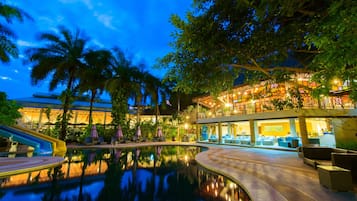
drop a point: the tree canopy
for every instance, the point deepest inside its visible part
(8, 47)
(62, 59)
(220, 40)
(8, 110)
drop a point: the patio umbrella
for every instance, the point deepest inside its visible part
(138, 132)
(158, 150)
(119, 132)
(159, 132)
(94, 132)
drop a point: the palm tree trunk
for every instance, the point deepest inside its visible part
(93, 95)
(64, 118)
(157, 113)
(68, 94)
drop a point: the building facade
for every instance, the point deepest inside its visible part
(278, 114)
(41, 111)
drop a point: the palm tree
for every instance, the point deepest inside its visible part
(61, 57)
(94, 76)
(8, 47)
(121, 85)
(155, 89)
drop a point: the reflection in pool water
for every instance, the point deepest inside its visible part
(146, 173)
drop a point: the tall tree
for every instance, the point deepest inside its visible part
(156, 90)
(8, 47)
(335, 37)
(219, 40)
(93, 77)
(120, 85)
(61, 58)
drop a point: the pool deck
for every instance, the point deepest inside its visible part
(266, 174)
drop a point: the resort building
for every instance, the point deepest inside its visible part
(278, 114)
(41, 110)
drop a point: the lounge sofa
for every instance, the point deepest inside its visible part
(291, 142)
(346, 160)
(213, 138)
(315, 156)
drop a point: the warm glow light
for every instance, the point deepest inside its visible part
(215, 193)
(207, 188)
(336, 81)
(231, 185)
(228, 104)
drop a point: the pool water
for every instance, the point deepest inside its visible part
(155, 173)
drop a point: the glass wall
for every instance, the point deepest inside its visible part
(283, 133)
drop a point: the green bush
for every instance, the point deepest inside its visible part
(347, 145)
(8, 110)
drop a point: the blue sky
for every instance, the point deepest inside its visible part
(140, 27)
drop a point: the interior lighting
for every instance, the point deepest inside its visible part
(336, 81)
(228, 104)
(216, 192)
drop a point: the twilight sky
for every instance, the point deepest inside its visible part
(140, 27)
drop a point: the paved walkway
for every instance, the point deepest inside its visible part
(267, 175)
(270, 175)
(11, 166)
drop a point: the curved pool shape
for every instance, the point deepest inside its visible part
(145, 173)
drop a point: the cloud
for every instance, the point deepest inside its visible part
(25, 43)
(5, 78)
(105, 19)
(87, 3)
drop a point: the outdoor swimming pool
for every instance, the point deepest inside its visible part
(157, 173)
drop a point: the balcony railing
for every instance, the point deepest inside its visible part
(267, 106)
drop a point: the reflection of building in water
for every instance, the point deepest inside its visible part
(90, 166)
(219, 187)
(95, 163)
